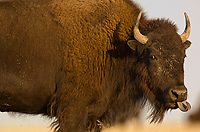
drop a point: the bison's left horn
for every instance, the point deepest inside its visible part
(138, 36)
(185, 35)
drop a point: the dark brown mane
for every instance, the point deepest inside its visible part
(148, 26)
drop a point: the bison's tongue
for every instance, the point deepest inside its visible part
(184, 106)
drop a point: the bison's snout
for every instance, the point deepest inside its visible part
(179, 93)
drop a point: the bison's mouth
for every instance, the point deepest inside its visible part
(183, 106)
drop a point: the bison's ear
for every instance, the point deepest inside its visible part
(133, 44)
(136, 46)
(187, 44)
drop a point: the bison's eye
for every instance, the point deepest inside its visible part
(153, 57)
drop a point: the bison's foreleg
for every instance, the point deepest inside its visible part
(70, 109)
(72, 118)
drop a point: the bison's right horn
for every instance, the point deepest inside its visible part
(185, 35)
(138, 36)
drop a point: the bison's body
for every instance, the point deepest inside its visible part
(70, 59)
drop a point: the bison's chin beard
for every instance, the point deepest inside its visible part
(158, 107)
(157, 112)
(161, 107)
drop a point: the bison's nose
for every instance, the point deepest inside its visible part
(179, 93)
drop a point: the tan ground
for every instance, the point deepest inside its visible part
(175, 127)
(158, 128)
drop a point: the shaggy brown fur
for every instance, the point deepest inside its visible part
(90, 73)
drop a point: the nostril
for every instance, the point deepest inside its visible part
(175, 93)
(180, 95)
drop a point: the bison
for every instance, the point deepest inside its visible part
(89, 63)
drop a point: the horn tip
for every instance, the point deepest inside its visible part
(185, 13)
(185, 35)
(187, 18)
(140, 14)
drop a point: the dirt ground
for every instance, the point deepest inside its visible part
(157, 128)
(175, 127)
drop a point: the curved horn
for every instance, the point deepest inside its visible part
(138, 36)
(185, 35)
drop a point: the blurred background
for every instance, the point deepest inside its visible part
(174, 120)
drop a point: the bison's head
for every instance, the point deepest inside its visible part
(161, 54)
